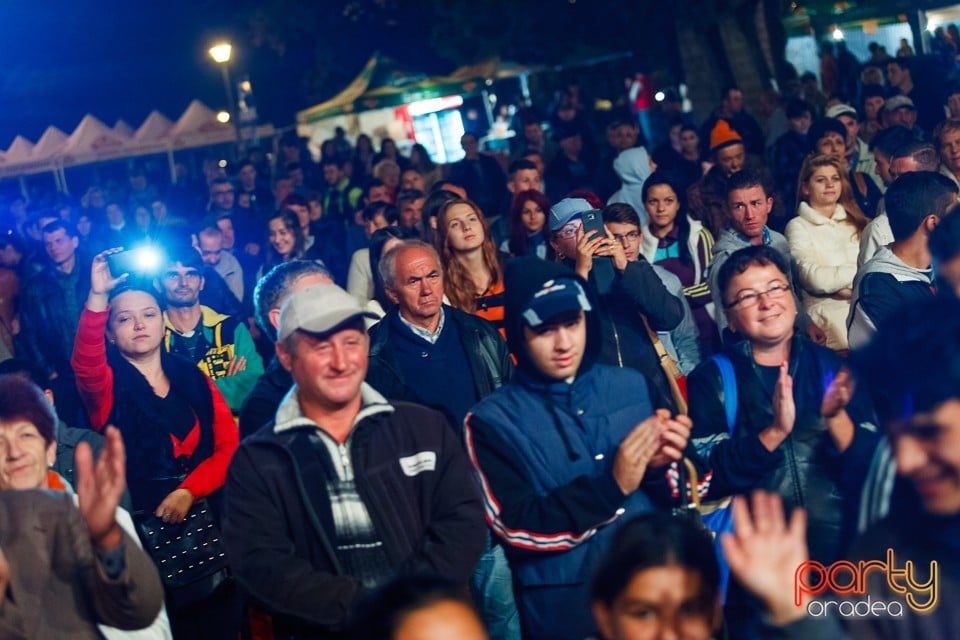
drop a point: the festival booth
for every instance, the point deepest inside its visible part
(93, 142)
(387, 101)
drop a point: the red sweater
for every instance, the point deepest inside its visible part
(95, 383)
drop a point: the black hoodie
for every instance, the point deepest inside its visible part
(524, 277)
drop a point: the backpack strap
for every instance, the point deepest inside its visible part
(729, 380)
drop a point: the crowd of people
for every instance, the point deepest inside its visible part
(372, 395)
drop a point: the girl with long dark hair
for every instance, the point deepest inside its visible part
(681, 245)
(528, 234)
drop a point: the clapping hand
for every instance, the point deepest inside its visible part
(99, 487)
(674, 434)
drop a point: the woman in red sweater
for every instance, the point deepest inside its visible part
(179, 431)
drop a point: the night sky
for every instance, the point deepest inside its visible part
(118, 59)
(112, 59)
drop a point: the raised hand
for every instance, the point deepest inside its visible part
(834, 409)
(635, 453)
(611, 248)
(784, 411)
(764, 552)
(101, 280)
(784, 408)
(838, 394)
(587, 246)
(99, 487)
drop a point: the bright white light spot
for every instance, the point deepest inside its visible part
(222, 164)
(221, 52)
(659, 96)
(245, 86)
(837, 34)
(932, 26)
(148, 259)
(223, 116)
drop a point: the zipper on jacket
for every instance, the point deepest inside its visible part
(616, 340)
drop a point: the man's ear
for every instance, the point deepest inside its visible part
(274, 316)
(49, 394)
(394, 298)
(930, 222)
(203, 281)
(284, 357)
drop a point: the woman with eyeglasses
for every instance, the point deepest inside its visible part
(825, 241)
(179, 431)
(682, 246)
(796, 421)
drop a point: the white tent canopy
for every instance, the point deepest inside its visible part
(93, 141)
(50, 143)
(122, 129)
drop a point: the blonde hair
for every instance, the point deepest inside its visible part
(811, 163)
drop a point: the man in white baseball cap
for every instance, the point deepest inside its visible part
(344, 490)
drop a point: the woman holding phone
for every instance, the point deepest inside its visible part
(179, 429)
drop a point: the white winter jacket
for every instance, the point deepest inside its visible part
(825, 250)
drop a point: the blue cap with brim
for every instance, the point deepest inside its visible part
(556, 297)
(567, 210)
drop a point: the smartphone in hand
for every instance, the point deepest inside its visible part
(603, 273)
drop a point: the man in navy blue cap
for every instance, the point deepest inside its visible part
(567, 449)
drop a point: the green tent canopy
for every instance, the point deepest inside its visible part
(382, 83)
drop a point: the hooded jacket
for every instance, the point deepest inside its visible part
(544, 450)
(884, 284)
(624, 341)
(633, 167)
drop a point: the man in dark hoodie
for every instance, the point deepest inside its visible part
(567, 450)
(272, 291)
(900, 273)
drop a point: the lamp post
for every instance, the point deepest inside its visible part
(221, 53)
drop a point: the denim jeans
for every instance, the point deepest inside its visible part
(492, 587)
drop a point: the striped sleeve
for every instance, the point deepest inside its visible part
(529, 521)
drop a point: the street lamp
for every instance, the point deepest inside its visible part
(221, 53)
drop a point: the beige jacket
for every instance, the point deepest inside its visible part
(58, 587)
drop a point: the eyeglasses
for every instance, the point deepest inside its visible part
(750, 298)
(570, 230)
(631, 236)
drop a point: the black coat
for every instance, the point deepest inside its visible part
(48, 327)
(278, 526)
